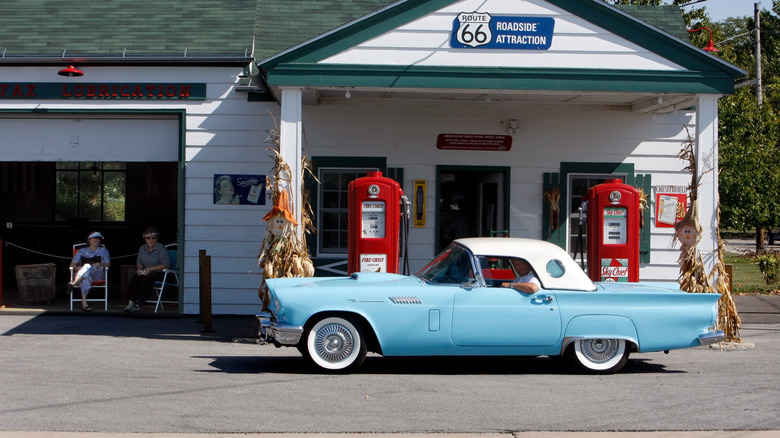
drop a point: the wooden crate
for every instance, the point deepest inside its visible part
(36, 283)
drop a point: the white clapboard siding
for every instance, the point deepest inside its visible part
(548, 136)
(576, 43)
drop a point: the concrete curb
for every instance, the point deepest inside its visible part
(656, 434)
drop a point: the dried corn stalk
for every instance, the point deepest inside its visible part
(728, 318)
(642, 207)
(553, 198)
(283, 253)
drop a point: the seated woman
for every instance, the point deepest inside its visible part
(89, 260)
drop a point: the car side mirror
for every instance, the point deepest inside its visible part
(472, 283)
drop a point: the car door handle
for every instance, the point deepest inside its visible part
(548, 299)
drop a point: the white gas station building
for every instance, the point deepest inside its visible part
(508, 109)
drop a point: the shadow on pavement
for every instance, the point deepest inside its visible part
(186, 328)
(374, 365)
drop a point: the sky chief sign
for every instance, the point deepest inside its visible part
(481, 30)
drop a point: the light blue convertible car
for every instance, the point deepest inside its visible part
(459, 305)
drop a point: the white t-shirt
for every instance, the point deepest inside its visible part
(528, 278)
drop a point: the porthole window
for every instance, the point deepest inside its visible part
(555, 268)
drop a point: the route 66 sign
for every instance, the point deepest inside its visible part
(473, 28)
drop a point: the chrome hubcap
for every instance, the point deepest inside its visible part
(334, 343)
(599, 350)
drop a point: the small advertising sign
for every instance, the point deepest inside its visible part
(671, 204)
(474, 142)
(373, 262)
(420, 186)
(239, 189)
(481, 30)
(614, 270)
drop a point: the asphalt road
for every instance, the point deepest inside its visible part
(91, 373)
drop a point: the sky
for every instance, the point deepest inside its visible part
(721, 9)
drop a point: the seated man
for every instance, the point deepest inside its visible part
(526, 281)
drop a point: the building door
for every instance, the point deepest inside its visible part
(472, 202)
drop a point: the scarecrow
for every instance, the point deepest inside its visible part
(693, 277)
(283, 253)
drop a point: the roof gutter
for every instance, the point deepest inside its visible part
(151, 60)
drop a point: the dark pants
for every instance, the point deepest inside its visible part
(140, 287)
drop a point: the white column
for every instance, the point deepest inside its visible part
(707, 168)
(291, 143)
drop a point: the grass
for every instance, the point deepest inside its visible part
(747, 278)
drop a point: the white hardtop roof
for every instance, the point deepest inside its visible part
(538, 253)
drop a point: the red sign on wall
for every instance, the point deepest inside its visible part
(670, 208)
(474, 142)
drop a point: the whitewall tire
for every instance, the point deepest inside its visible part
(336, 344)
(599, 355)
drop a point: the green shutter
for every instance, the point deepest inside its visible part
(396, 174)
(643, 182)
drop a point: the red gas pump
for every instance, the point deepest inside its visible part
(613, 232)
(374, 224)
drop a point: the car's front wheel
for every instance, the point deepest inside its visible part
(336, 344)
(599, 355)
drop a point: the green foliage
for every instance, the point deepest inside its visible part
(91, 192)
(769, 264)
(691, 16)
(749, 133)
(749, 184)
(746, 276)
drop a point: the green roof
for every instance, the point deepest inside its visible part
(665, 17)
(49, 28)
(131, 28)
(282, 24)
(266, 29)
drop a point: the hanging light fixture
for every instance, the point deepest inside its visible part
(710, 45)
(71, 71)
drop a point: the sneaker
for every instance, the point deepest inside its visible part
(135, 308)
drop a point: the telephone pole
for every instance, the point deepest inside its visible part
(757, 18)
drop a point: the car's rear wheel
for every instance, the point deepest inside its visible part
(602, 356)
(336, 344)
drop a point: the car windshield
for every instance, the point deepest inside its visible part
(453, 265)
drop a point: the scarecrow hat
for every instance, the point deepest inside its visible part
(281, 207)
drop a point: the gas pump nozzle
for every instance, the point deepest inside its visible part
(406, 215)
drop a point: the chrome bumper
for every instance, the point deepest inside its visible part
(712, 337)
(271, 331)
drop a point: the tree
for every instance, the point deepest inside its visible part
(749, 183)
(748, 147)
(749, 180)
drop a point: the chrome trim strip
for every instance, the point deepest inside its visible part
(712, 337)
(405, 300)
